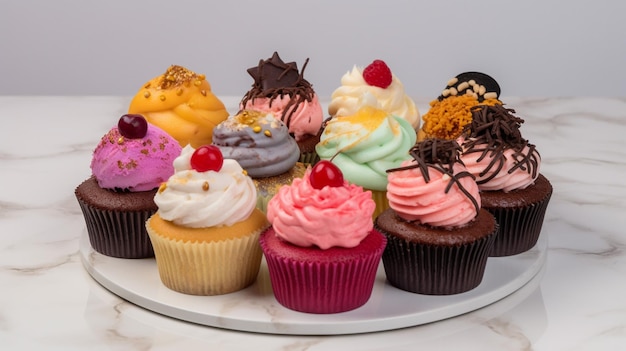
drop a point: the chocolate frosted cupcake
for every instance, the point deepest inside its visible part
(128, 165)
(438, 237)
(280, 89)
(262, 146)
(451, 111)
(506, 167)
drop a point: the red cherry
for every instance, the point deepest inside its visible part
(325, 173)
(207, 158)
(377, 74)
(132, 126)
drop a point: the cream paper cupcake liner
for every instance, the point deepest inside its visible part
(207, 268)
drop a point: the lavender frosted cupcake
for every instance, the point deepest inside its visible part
(261, 144)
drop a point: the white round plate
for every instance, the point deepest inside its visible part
(255, 309)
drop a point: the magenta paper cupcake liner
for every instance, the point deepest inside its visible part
(118, 234)
(322, 286)
(519, 227)
(436, 270)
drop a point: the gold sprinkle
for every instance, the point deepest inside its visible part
(205, 186)
(146, 94)
(203, 92)
(490, 95)
(452, 81)
(170, 78)
(120, 140)
(256, 129)
(162, 187)
(201, 76)
(267, 133)
(197, 83)
(179, 91)
(147, 86)
(244, 172)
(162, 97)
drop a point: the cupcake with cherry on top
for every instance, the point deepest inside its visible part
(321, 250)
(206, 230)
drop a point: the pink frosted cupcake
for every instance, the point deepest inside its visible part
(322, 251)
(128, 165)
(281, 90)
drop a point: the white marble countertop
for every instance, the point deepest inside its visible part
(48, 301)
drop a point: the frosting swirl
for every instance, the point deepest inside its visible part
(434, 188)
(495, 152)
(355, 93)
(328, 217)
(181, 103)
(365, 145)
(125, 164)
(258, 141)
(206, 199)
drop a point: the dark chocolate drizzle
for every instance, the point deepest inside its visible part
(493, 130)
(439, 154)
(274, 78)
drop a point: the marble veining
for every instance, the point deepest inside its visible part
(49, 302)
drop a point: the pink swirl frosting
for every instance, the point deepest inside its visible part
(306, 119)
(414, 199)
(501, 175)
(327, 217)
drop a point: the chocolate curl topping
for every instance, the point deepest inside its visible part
(274, 78)
(441, 155)
(493, 130)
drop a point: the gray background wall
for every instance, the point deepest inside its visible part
(533, 47)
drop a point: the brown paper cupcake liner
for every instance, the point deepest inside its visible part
(117, 233)
(436, 270)
(519, 227)
(207, 268)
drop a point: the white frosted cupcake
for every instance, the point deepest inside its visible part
(205, 233)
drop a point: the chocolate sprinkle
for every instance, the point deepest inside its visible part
(274, 78)
(493, 130)
(441, 155)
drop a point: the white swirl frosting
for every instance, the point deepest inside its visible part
(206, 199)
(355, 93)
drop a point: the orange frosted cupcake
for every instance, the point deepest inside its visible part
(321, 250)
(451, 111)
(181, 103)
(206, 230)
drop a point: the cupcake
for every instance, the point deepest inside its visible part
(261, 144)
(438, 236)
(128, 165)
(206, 230)
(365, 145)
(374, 86)
(281, 90)
(321, 250)
(181, 103)
(506, 167)
(451, 111)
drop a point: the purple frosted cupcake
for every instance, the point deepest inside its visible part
(128, 165)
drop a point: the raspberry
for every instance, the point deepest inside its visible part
(377, 74)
